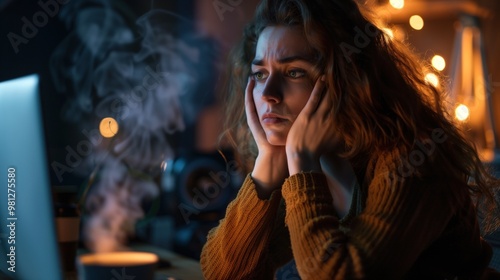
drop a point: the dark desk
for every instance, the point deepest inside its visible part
(182, 268)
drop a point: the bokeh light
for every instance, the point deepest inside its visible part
(416, 22)
(432, 79)
(388, 32)
(108, 127)
(438, 62)
(397, 4)
(462, 112)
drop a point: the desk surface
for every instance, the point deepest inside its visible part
(182, 268)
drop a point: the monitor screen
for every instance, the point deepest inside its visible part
(28, 242)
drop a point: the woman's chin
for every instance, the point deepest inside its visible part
(276, 140)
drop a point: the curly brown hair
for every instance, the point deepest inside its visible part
(382, 101)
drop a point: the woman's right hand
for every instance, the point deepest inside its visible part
(270, 169)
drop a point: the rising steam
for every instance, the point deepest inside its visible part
(145, 77)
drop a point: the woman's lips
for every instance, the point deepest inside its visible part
(270, 118)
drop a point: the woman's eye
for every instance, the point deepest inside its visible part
(296, 74)
(258, 76)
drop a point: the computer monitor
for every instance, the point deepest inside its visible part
(28, 241)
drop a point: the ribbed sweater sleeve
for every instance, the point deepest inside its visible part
(251, 241)
(402, 216)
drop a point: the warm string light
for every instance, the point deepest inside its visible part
(108, 127)
(388, 32)
(462, 112)
(394, 32)
(432, 79)
(438, 62)
(416, 22)
(397, 4)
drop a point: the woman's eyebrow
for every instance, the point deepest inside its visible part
(287, 59)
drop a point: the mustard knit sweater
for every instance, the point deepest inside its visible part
(414, 227)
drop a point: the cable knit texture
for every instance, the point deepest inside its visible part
(410, 227)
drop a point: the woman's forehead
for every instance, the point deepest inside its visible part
(278, 42)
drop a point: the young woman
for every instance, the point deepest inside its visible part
(357, 172)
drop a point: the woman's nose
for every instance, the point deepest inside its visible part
(272, 90)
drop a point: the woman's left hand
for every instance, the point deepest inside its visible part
(312, 133)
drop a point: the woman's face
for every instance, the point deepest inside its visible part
(284, 75)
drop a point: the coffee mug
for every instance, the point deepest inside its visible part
(117, 266)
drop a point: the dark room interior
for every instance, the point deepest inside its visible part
(90, 56)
